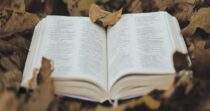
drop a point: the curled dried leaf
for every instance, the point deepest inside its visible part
(78, 7)
(98, 15)
(10, 79)
(135, 6)
(41, 97)
(18, 5)
(184, 11)
(180, 61)
(181, 9)
(148, 101)
(43, 94)
(183, 79)
(200, 62)
(45, 70)
(6, 46)
(16, 21)
(18, 58)
(7, 64)
(20, 41)
(164, 4)
(8, 101)
(200, 19)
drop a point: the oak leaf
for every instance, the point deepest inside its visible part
(8, 101)
(7, 64)
(6, 46)
(184, 79)
(10, 79)
(135, 6)
(78, 7)
(200, 62)
(98, 15)
(16, 21)
(146, 100)
(180, 61)
(43, 94)
(200, 19)
(45, 70)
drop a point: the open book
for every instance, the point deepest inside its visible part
(126, 60)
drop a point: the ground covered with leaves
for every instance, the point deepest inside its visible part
(189, 92)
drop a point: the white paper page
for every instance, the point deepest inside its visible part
(35, 43)
(77, 48)
(139, 43)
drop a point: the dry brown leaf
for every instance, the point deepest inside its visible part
(13, 4)
(44, 94)
(79, 7)
(20, 41)
(45, 71)
(197, 43)
(10, 79)
(184, 11)
(5, 46)
(41, 97)
(200, 19)
(18, 58)
(8, 101)
(164, 4)
(7, 64)
(180, 61)
(5, 4)
(150, 102)
(18, 5)
(183, 79)
(16, 21)
(96, 14)
(200, 62)
(135, 7)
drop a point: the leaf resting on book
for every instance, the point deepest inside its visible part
(98, 15)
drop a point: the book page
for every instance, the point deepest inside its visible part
(77, 47)
(139, 44)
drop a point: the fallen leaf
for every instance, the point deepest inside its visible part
(200, 19)
(181, 9)
(8, 101)
(43, 94)
(180, 61)
(79, 7)
(19, 41)
(7, 64)
(96, 14)
(135, 6)
(146, 100)
(18, 58)
(10, 79)
(184, 11)
(183, 79)
(41, 97)
(6, 46)
(45, 70)
(200, 62)
(18, 5)
(149, 5)
(164, 4)
(5, 4)
(16, 21)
